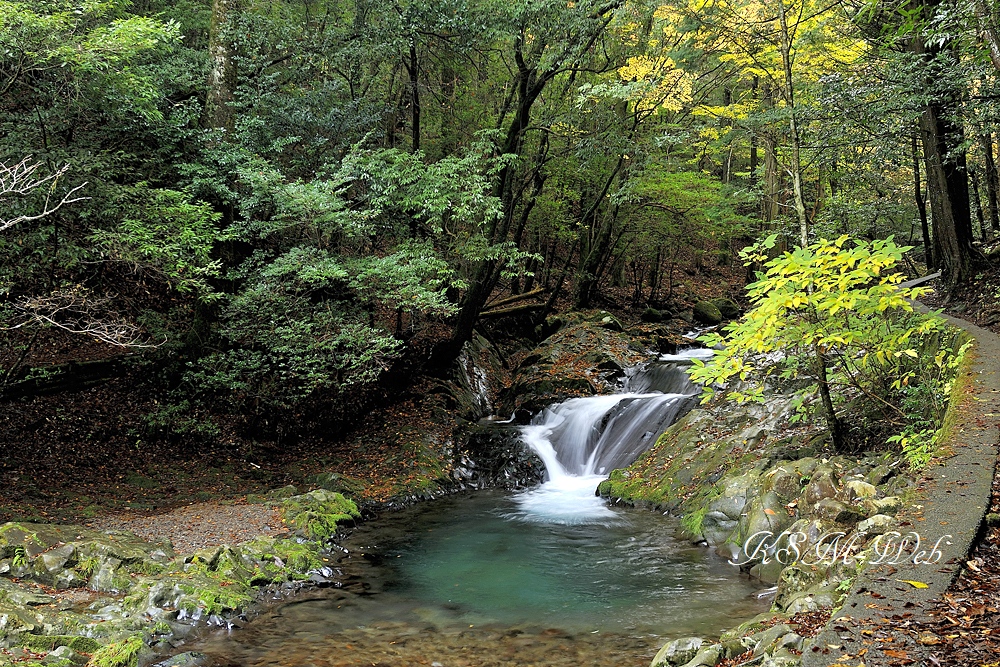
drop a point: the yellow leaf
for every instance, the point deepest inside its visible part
(915, 584)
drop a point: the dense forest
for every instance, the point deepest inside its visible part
(275, 204)
(262, 259)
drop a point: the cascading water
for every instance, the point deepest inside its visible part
(583, 439)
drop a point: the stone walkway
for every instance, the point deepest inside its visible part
(951, 499)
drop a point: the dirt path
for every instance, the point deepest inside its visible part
(199, 525)
(886, 618)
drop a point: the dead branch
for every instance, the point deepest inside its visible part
(514, 299)
(19, 179)
(513, 310)
(76, 311)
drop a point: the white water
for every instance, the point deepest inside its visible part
(583, 439)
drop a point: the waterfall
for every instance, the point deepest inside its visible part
(582, 440)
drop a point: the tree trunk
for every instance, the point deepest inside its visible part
(413, 69)
(977, 203)
(222, 66)
(819, 364)
(948, 188)
(944, 158)
(787, 37)
(992, 208)
(921, 206)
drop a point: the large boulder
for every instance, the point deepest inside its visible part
(586, 357)
(706, 312)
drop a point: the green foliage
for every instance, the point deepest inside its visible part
(124, 653)
(162, 231)
(836, 303)
(924, 402)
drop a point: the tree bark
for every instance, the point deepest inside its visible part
(992, 207)
(222, 75)
(921, 206)
(944, 159)
(787, 38)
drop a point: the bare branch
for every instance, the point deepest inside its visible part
(76, 311)
(19, 180)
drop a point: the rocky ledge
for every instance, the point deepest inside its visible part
(70, 595)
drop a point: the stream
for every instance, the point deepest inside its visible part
(549, 576)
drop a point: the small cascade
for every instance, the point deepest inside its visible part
(582, 440)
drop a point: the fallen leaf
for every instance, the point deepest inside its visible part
(915, 584)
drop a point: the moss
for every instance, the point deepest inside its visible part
(146, 567)
(316, 514)
(220, 600)
(52, 642)
(124, 653)
(691, 522)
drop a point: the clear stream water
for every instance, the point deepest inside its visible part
(550, 576)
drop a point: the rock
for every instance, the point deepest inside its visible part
(15, 594)
(822, 485)
(611, 323)
(766, 641)
(716, 528)
(706, 657)
(768, 572)
(835, 510)
(651, 315)
(877, 525)
(58, 558)
(678, 652)
(189, 659)
(64, 654)
(797, 579)
(858, 490)
(889, 505)
(581, 359)
(810, 601)
(317, 513)
(706, 312)
(734, 495)
(727, 308)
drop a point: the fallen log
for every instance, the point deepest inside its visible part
(513, 310)
(514, 299)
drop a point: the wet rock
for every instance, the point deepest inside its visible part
(678, 652)
(581, 359)
(706, 312)
(496, 456)
(189, 659)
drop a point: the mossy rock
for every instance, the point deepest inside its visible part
(316, 514)
(706, 312)
(651, 315)
(727, 308)
(338, 483)
(52, 642)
